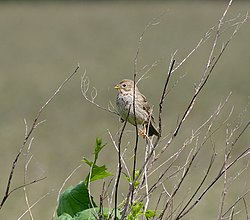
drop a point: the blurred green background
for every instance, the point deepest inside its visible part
(41, 43)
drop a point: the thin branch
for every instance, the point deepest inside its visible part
(243, 130)
(119, 163)
(26, 138)
(27, 162)
(122, 158)
(200, 185)
(27, 184)
(136, 139)
(235, 203)
(149, 68)
(225, 187)
(245, 205)
(243, 154)
(153, 22)
(93, 94)
(164, 94)
(145, 177)
(207, 73)
(33, 205)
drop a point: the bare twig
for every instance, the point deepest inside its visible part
(240, 156)
(148, 69)
(235, 203)
(122, 158)
(212, 61)
(245, 204)
(26, 138)
(93, 94)
(164, 94)
(27, 184)
(35, 203)
(27, 162)
(200, 185)
(136, 136)
(119, 163)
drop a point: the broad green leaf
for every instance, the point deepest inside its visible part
(75, 199)
(64, 216)
(92, 214)
(97, 173)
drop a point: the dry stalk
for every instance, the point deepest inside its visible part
(35, 203)
(27, 162)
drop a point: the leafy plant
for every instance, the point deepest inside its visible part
(75, 199)
(76, 202)
(138, 211)
(96, 172)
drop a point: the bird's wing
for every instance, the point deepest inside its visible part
(146, 106)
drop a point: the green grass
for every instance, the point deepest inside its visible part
(42, 43)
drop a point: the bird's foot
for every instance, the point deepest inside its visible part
(143, 132)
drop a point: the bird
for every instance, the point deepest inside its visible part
(143, 112)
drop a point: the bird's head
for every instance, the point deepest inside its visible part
(125, 85)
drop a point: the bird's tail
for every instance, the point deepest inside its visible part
(152, 130)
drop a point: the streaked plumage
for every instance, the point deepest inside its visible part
(143, 112)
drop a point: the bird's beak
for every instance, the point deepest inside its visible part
(117, 87)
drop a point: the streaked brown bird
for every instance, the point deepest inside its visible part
(143, 111)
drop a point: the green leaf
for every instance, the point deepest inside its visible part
(150, 214)
(92, 214)
(90, 163)
(97, 173)
(64, 216)
(136, 211)
(137, 208)
(75, 199)
(130, 179)
(98, 147)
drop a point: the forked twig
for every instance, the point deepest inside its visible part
(35, 203)
(93, 94)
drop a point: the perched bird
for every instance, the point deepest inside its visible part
(143, 112)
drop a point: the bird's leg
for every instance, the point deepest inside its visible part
(143, 132)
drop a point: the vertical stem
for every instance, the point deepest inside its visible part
(119, 163)
(136, 143)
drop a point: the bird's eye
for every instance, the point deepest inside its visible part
(124, 85)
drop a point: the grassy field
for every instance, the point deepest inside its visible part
(42, 43)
